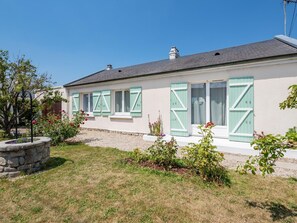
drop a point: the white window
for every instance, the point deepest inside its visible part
(122, 102)
(208, 103)
(87, 102)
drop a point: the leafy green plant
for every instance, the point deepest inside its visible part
(291, 135)
(156, 128)
(204, 159)
(163, 153)
(291, 101)
(138, 155)
(59, 128)
(271, 148)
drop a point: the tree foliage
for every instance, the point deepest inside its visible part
(291, 101)
(17, 74)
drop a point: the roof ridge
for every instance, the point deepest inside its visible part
(287, 40)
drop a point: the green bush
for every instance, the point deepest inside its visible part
(203, 158)
(138, 156)
(271, 148)
(163, 153)
(291, 135)
(59, 128)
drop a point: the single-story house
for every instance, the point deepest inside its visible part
(237, 88)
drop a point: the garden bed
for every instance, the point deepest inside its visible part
(152, 165)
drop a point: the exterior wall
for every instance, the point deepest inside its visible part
(271, 81)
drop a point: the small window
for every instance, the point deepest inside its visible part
(87, 100)
(122, 101)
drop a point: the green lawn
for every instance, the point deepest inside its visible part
(85, 184)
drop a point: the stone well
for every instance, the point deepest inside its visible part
(23, 157)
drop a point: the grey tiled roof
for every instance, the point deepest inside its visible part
(254, 51)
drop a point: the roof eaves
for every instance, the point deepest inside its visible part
(69, 84)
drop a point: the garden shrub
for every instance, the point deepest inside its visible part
(138, 156)
(204, 159)
(59, 128)
(271, 148)
(163, 153)
(291, 135)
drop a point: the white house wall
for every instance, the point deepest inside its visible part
(271, 82)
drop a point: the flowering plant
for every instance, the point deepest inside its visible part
(204, 159)
(270, 147)
(156, 128)
(59, 127)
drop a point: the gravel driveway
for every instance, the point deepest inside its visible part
(128, 142)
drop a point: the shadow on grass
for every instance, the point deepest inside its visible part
(54, 162)
(277, 210)
(292, 179)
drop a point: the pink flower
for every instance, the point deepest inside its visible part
(34, 122)
(209, 124)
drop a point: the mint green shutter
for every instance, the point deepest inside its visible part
(106, 101)
(241, 109)
(179, 109)
(135, 101)
(97, 103)
(75, 103)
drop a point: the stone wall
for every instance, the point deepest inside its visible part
(23, 157)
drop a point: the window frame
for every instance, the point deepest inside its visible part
(90, 95)
(220, 131)
(123, 113)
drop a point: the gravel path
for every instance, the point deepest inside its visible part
(128, 142)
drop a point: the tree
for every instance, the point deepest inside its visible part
(18, 74)
(291, 101)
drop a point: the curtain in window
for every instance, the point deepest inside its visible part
(118, 101)
(218, 93)
(198, 101)
(127, 101)
(91, 102)
(86, 102)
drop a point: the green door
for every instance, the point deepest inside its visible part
(241, 109)
(179, 109)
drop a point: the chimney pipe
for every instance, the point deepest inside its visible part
(108, 67)
(173, 53)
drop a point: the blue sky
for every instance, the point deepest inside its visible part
(73, 38)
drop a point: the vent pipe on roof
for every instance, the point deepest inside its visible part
(173, 53)
(108, 67)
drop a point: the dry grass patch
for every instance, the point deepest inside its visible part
(86, 184)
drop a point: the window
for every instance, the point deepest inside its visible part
(208, 102)
(218, 95)
(122, 101)
(87, 102)
(198, 99)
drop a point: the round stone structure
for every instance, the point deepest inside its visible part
(23, 157)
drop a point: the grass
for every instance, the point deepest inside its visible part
(85, 184)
